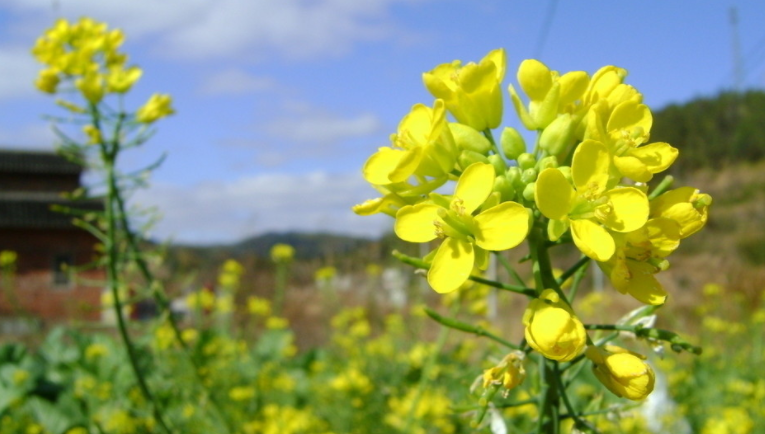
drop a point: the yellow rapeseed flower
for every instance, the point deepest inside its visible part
(471, 92)
(623, 372)
(467, 238)
(552, 328)
(590, 203)
(157, 107)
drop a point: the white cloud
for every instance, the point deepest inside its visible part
(235, 82)
(227, 212)
(257, 29)
(17, 71)
(323, 128)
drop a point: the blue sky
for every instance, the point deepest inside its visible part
(280, 102)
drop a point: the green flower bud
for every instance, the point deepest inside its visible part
(470, 139)
(467, 158)
(498, 162)
(528, 191)
(514, 176)
(557, 137)
(504, 187)
(512, 143)
(550, 161)
(529, 175)
(526, 161)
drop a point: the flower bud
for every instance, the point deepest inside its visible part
(469, 138)
(504, 187)
(623, 372)
(498, 162)
(526, 161)
(512, 143)
(529, 175)
(528, 191)
(550, 161)
(556, 138)
(514, 176)
(468, 157)
(552, 328)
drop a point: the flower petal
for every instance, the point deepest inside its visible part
(415, 223)
(640, 283)
(592, 239)
(589, 168)
(475, 185)
(633, 168)
(501, 227)
(535, 79)
(629, 209)
(451, 266)
(629, 115)
(656, 156)
(553, 194)
(381, 164)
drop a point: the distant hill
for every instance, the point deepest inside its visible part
(713, 132)
(307, 246)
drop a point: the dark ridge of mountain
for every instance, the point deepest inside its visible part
(307, 245)
(713, 132)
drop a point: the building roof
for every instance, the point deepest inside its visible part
(33, 210)
(40, 162)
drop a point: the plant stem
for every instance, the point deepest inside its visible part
(108, 157)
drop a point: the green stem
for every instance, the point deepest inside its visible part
(468, 328)
(510, 269)
(108, 157)
(662, 187)
(487, 133)
(163, 303)
(578, 276)
(419, 263)
(280, 288)
(677, 343)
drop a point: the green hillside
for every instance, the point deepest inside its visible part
(713, 132)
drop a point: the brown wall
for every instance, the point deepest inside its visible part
(33, 290)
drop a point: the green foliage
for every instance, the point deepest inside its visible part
(713, 132)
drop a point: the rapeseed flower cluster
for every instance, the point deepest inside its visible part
(584, 181)
(85, 56)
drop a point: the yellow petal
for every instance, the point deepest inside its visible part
(633, 168)
(501, 227)
(629, 115)
(451, 266)
(474, 186)
(521, 110)
(592, 240)
(553, 194)
(499, 58)
(589, 168)
(657, 157)
(629, 209)
(415, 223)
(640, 283)
(572, 87)
(407, 165)
(535, 79)
(379, 166)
